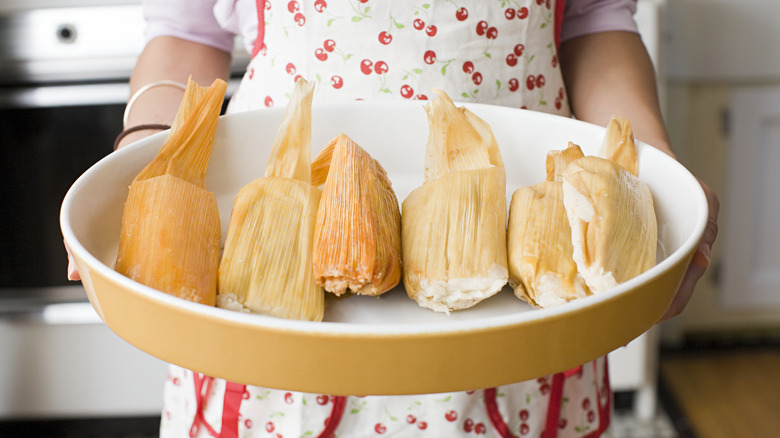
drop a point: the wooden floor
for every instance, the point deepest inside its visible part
(726, 393)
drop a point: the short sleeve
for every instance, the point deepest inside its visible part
(192, 20)
(583, 17)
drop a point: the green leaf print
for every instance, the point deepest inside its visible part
(543, 25)
(356, 19)
(308, 433)
(426, 6)
(417, 71)
(330, 22)
(444, 70)
(391, 416)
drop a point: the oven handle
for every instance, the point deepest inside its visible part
(48, 305)
(52, 96)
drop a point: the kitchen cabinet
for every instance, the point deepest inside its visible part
(723, 96)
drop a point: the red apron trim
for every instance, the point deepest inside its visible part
(260, 40)
(560, 6)
(495, 416)
(339, 402)
(605, 409)
(554, 406)
(200, 398)
(234, 394)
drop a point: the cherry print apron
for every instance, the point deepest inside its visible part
(493, 51)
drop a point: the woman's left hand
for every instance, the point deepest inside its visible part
(701, 258)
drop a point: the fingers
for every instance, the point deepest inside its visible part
(684, 292)
(73, 272)
(700, 260)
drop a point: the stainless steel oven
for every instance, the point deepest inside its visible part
(64, 68)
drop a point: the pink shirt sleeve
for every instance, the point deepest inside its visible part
(192, 20)
(583, 17)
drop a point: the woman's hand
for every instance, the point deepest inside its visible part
(701, 258)
(611, 73)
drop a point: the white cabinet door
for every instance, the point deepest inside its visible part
(751, 239)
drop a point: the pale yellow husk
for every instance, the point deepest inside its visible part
(266, 265)
(454, 225)
(619, 145)
(541, 268)
(170, 224)
(614, 229)
(357, 237)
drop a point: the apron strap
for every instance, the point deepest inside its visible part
(554, 405)
(560, 7)
(260, 40)
(201, 396)
(234, 394)
(494, 415)
(339, 402)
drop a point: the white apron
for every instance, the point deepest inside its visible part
(493, 51)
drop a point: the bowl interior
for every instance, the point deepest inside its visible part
(395, 133)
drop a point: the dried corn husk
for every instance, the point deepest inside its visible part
(266, 265)
(619, 146)
(541, 268)
(610, 211)
(357, 237)
(170, 224)
(454, 225)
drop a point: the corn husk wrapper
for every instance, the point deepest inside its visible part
(170, 224)
(541, 268)
(266, 265)
(454, 225)
(357, 237)
(610, 211)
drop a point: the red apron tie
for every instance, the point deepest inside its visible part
(234, 394)
(494, 415)
(335, 417)
(200, 398)
(554, 404)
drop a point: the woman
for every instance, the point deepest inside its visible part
(581, 58)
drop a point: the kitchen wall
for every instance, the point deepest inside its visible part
(722, 75)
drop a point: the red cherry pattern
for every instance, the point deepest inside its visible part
(422, 21)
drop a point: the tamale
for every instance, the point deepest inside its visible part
(619, 146)
(454, 225)
(610, 211)
(170, 224)
(266, 265)
(541, 268)
(357, 236)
